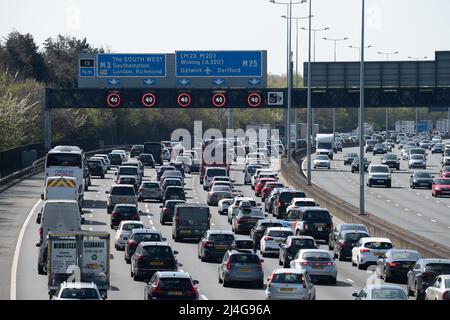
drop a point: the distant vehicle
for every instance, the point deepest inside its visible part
(151, 257)
(149, 191)
(440, 187)
(322, 161)
(128, 171)
(391, 160)
(61, 188)
(222, 207)
(311, 221)
(440, 289)
(325, 145)
(123, 154)
(367, 251)
(282, 200)
(128, 180)
(190, 221)
(378, 149)
(290, 284)
(140, 235)
(333, 238)
(269, 187)
(396, 264)
(147, 159)
(349, 157)
(417, 161)
(136, 150)
(124, 231)
(257, 232)
(345, 242)
(423, 274)
(233, 209)
(272, 238)
(95, 167)
(370, 145)
(167, 210)
(59, 215)
(379, 175)
(246, 217)
(290, 247)
(210, 173)
(115, 159)
(380, 292)
(166, 285)
(120, 193)
(242, 266)
(318, 263)
(214, 244)
(217, 193)
(174, 193)
(421, 179)
(156, 150)
(123, 212)
(77, 291)
(355, 165)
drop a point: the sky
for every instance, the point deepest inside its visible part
(414, 28)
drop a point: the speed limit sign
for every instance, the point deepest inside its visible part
(148, 100)
(113, 100)
(184, 99)
(219, 100)
(254, 100)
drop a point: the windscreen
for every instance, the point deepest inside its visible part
(79, 293)
(131, 226)
(126, 209)
(147, 237)
(388, 294)
(322, 145)
(302, 243)
(441, 268)
(378, 245)
(182, 284)
(305, 204)
(423, 175)
(244, 258)
(442, 182)
(93, 164)
(354, 237)
(316, 256)
(128, 171)
(405, 255)
(157, 251)
(288, 196)
(151, 185)
(371, 142)
(216, 172)
(64, 160)
(221, 188)
(390, 157)
(317, 216)
(379, 170)
(222, 237)
(122, 191)
(280, 234)
(193, 215)
(288, 278)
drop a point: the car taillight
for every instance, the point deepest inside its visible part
(364, 250)
(330, 264)
(165, 210)
(132, 244)
(228, 265)
(278, 204)
(266, 238)
(306, 227)
(305, 263)
(446, 295)
(342, 243)
(136, 216)
(193, 291)
(157, 290)
(114, 214)
(393, 264)
(260, 267)
(140, 259)
(41, 232)
(428, 275)
(208, 244)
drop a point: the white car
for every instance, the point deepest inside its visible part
(122, 153)
(258, 173)
(290, 284)
(440, 289)
(233, 209)
(368, 250)
(77, 291)
(272, 238)
(104, 164)
(223, 205)
(105, 157)
(322, 161)
(124, 231)
(301, 202)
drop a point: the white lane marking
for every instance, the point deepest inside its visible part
(90, 229)
(380, 197)
(434, 221)
(388, 200)
(153, 228)
(427, 197)
(204, 297)
(396, 204)
(420, 215)
(437, 201)
(147, 210)
(98, 191)
(371, 192)
(349, 280)
(198, 201)
(181, 270)
(212, 223)
(96, 196)
(448, 206)
(418, 193)
(12, 292)
(406, 209)
(151, 222)
(146, 205)
(448, 227)
(149, 218)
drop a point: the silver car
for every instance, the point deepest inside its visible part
(381, 292)
(318, 263)
(417, 161)
(241, 266)
(224, 204)
(150, 190)
(121, 193)
(290, 284)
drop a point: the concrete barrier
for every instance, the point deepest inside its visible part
(400, 237)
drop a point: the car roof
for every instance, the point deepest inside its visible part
(278, 229)
(78, 285)
(126, 205)
(174, 188)
(243, 251)
(154, 244)
(220, 232)
(122, 186)
(127, 166)
(314, 250)
(301, 237)
(434, 260)
(288, 270)
(193, 205)
(145, 230)
(270, 221)
(131, 222)
(172, 274)
(375, 239)
(383, 286)
(303, 199)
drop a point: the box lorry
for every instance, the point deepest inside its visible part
(325, 144)
(78, 256)
(61, 188)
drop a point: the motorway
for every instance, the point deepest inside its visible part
(32, 286)
(412, 209)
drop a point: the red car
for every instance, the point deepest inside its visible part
(269, 186)
(445, 172)
(441, 187)
(260, 185)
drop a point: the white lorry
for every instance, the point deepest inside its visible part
(325, 144)
(61, 188)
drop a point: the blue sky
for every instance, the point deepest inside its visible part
(412, 27)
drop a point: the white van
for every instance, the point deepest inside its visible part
(59, 215)
(61, 188)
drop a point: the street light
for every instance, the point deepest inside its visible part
(362, 210)
(387, 54)
(289, 82)
(359, 48)
(421, 58)
(297, 80)
(335, 42)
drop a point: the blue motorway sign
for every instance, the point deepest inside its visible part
(131, 65)
(218, 63)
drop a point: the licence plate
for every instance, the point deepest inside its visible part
(378, 254)
(156, 263)
(175, 197)
(316, 266)
(175, 293)
(279, 241)
(245, 270)
(186, 231)
(221, 246)
(286, 289)
(380, 181)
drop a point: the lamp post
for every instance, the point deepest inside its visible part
(297, 80)
(335, 42)
(289, 78)
(362, 210)
(359, 48)
(387, 54)
(308, 107)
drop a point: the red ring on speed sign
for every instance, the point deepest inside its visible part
(113, 100)
(184, 96)
(145, 102)
(219, 100)
(254, 100)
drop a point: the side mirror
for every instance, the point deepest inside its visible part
(38, 245)
(164, 239)
(140, 212)
(115, 173)
(175, 252)
(261, 260)
(107, 192)
(196, 282)
(266, 215)
(42, 196)
(355, 294)
(161, 206)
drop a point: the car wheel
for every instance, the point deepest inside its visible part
(353, 263)
(41, 270)
(410, 292)
(102, 176)
(280, 263)
(202, 258)
(260, 284)
(340, 257)
(128, 261)
(220, 280)
(286, 264)
(225, 283)
(360, 266)
(387, 278)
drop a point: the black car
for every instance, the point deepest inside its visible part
(140, 235)
(170, 182)
(161, 171)
(124, 212)
(282, 200)
(147, 159)
(246, 219)
(421, 179)
(379, 149)
(167, 210)
(312, 221)
(95, 168)
(355, 165)
(291, 246)
(171, 286)
(242, 244)
(343, 227)
(391, 160)
(268, 202)
(214, 244)
(258, 230)
(115, 159)
(349, 157)
(151, 257)
(345, 242)
(174, 193)
(423, 273)
(438, 148)
(397, 264)
(136, 150)
(178, 166)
